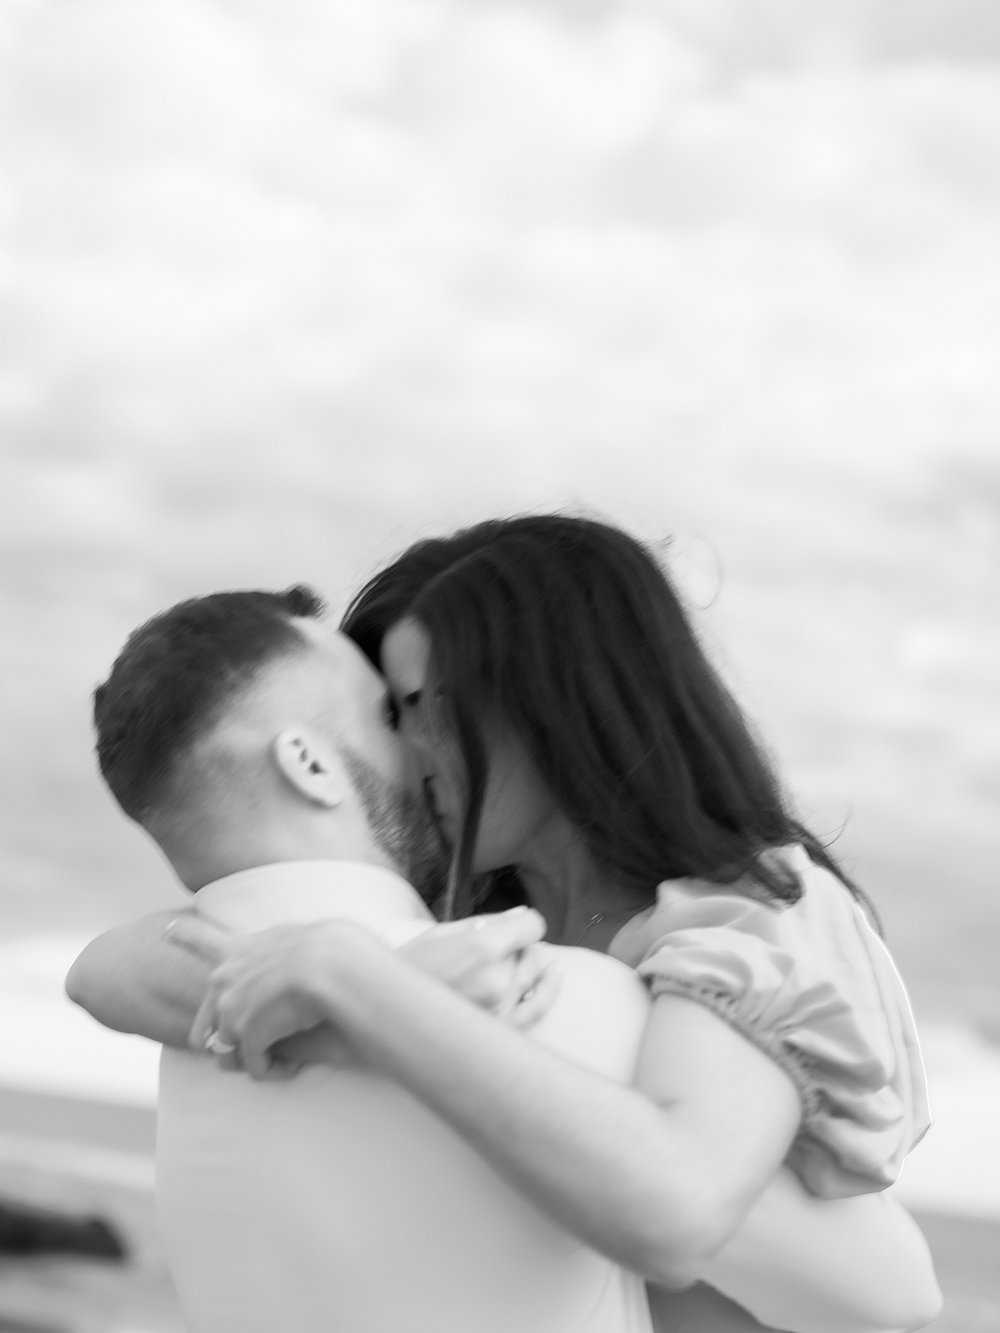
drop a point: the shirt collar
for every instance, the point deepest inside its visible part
(304, 891)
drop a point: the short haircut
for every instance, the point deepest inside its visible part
(174, 677)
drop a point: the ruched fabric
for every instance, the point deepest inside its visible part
(814, 987)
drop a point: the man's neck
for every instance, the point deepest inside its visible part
(215, 850)
(311, 890)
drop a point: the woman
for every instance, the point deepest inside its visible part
(573, 734)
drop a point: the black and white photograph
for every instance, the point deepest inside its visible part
(500, 807)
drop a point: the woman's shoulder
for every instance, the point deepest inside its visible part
(811, 983)
(693, 903)
(824, 918)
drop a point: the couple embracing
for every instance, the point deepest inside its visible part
(665, 1089)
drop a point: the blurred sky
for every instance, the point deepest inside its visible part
(285, 285)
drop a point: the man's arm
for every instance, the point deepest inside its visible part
(133, 980)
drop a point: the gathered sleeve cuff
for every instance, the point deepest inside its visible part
(812, 986)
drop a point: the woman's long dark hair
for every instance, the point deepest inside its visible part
(567, 633)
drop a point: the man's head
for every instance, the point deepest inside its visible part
(241, 729)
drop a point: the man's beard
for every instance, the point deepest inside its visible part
(402, 826)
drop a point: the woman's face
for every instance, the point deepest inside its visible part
(516, 804)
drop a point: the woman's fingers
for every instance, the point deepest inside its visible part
(523, 970)
(251, 1002)
(320, 1045)
(475, 956)
(279, 1070)
(203, 1024)
(536, 1002)
(232, 1060)
(200, 936)
(249, 1005)
(497, 933)
(257, 1063)
(210, 1032)
(508, 960)
(509, 932)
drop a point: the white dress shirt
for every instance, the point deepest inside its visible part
(336, 1202)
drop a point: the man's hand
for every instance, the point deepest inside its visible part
(493, 960)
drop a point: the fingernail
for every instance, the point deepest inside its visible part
(169, 927)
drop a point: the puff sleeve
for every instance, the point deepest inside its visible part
(814, 988)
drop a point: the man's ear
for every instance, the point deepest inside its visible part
(312, 767)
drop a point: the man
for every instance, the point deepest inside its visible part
(251, 741)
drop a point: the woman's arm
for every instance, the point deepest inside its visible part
(857, 1265)
(813, 1265)
(133, 979)
(656, 1176)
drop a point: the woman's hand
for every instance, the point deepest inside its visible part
(484, 959)
(266, 987)
(263, 1010)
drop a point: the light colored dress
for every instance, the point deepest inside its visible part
(813, 986)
